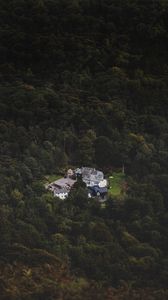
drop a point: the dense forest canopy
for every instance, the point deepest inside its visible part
(83, 83)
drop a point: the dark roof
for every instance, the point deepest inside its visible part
(98, 189)
(64, 182)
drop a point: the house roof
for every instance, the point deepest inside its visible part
(64, 182)
(90, 173)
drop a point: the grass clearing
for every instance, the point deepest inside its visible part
(51, 178)
(116, 181)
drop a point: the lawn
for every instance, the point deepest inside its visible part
(116, 181)
(51, 178)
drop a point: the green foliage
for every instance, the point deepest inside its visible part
(116, 184)
(83, 83)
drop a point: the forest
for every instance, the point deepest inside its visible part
(83, 83)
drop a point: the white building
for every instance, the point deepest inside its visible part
(61, 187)
(91, 176)
(61, 193)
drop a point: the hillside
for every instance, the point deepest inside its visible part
(83, 83)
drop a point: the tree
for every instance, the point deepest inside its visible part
(16, 196)
(103, 152)
(86, 148)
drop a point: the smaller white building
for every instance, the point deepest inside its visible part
(70, 173)
(103, 183)
(61, 193)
